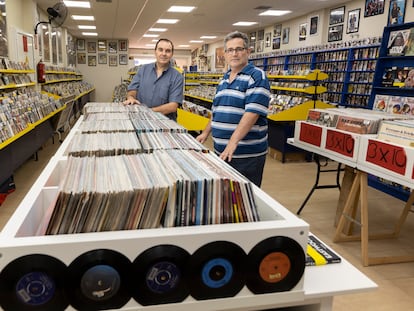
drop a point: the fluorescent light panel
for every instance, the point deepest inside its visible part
(208, 37)
(275, 12)
(83, 18)
(95, 34)
(196, 41)
(148, 35)
(86, 27)
(77, 4)
(181, 9)
(244, 23)
(167, 21)
(157, 29)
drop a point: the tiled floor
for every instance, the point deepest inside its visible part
(289, 183)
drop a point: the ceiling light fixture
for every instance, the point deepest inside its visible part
(244, 23)
(90, 34)
(158, 29)
(148, 35)
(181, 9)
(208, 37)
(196, 41)
(77, 4)
(86, 27)
(167, 21)
(275, 12)
(83, 18)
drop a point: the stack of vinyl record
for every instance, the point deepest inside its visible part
(118, 179)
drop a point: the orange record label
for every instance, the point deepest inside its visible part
(274, 267)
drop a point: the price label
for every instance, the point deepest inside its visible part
(310, 134)
(339, 142)
(388, 156)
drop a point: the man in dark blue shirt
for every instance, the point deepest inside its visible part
(158, 85)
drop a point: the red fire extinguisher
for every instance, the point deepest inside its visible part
(41, 72)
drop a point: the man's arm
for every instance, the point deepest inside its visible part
(246, 123)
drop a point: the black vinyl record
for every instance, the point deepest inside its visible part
(159, 275)
(217, 270)
(33, 282)
(99, 280)
(275, 264)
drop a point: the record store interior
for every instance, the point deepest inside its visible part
(132, 137)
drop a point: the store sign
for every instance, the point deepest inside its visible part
(340, 142)
(310, 134)
(388, 156)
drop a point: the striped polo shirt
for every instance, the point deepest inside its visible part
(249, 92)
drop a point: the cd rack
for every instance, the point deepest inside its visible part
(211, 267)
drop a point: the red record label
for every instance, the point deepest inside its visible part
(274, 267)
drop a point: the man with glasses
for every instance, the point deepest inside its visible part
(239, 112)
(158, 85)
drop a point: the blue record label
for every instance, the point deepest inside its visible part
(35, 288)
(217, 272)
(162, 277)
(100, 282)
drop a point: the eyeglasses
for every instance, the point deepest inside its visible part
(237, 50)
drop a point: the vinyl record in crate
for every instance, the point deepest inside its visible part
(217, 270)
(33, 282)
(99, 280)
(275, 264)
(159, 275)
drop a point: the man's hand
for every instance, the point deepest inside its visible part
(131, 100)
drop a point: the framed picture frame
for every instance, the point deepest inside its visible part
(102, 46)
(373, 7)
(285, 35)
(277, 30)
(123, 45)
(396, 12)
(335, 33)
(81, 58)
(113, 60)
(91, 60)
(91, 46)
(276, 43)
(102, 58)
(220, 60)
(113, 47)
(123, 59)
(268, 39)
(314, 25)
(252, 41)
(303, 31)
(336, 16)
(260, 34)
(80, 45)
(352, 24)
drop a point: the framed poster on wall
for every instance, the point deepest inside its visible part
(335, 33)
(396, 12)
(336, 16)
(352, 24)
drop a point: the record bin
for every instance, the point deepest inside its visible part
(20, 245)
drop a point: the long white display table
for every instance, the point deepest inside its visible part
(314, 291)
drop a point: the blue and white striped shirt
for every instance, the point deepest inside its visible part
(249, 92)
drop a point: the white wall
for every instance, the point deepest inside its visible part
(372, 26)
